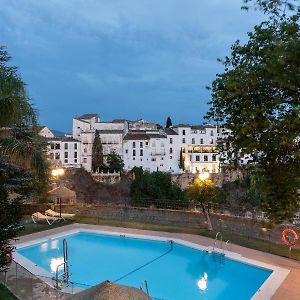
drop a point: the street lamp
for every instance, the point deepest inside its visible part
(57, 172)
(204, 175)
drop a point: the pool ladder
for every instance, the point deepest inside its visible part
(65, 275)
(222, 246)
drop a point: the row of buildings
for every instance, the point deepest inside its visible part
(139, 143)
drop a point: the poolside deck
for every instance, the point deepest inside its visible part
(289, 289)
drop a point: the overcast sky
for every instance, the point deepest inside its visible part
(121, 58)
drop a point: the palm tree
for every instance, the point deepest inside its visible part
(20, 146)
(19, 141)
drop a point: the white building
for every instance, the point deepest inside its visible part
(64, 151)
(140, 144)
(152, 150)
(198, 144)
(111, 135)
(44, 131)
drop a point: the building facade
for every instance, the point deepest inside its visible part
(140, 144)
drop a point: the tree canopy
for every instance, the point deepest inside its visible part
(97, 153)
(257, 99)
(23, 165)
(115, 162)
(168, 122)
(156, 189)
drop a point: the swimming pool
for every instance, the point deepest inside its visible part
(173, 271)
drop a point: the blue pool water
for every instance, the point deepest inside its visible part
(172, 271)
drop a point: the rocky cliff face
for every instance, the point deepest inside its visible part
(89, 191)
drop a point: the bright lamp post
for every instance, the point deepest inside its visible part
(57, 173)
(204, 176)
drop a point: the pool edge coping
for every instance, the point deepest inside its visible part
(265, 291)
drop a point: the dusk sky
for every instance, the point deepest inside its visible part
(121, 58)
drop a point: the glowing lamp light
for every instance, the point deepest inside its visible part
(204, 175)
(58, 172)
(202, 283)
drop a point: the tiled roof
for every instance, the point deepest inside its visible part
(136, 136)
(88, 116)
(62, 139)
(142, 135)
(107, 131)
(170, 131)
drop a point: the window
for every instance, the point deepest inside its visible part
(147, 143)
(162, 158)
(211, 133)
(133, 152)
(66, 146)
(57, 146)
(126, 151)
(211, 141)
(171, 156)
(183, 150)
(183, 140)
(197, 158)
(75, 161)
(141, 152)
(214, 157)
(75, 146)
(141, 144)
(66, 161)
(66, 154)
(205, 158)
(183, 132)
(201, 141)
(193, 140)
(171, 150)
(85, 150)
(153, 159)
(52, 146)
(190, 157)
(57, 156)
(133, 144)
(75, 154)
(85, 160)
(171, 141)
(51, 155)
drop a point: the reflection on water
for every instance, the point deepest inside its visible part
(55, 262)
(202, 283)
(54, 244)
(44, 247)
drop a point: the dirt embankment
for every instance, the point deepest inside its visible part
(89, 191)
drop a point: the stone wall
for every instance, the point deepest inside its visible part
(191, 219)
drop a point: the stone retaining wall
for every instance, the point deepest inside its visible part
(191, 219)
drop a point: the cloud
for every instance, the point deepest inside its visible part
(140, 50)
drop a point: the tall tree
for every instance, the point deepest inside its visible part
(181, 160)
(115, 162)
(20, 146)
(97, 154)
(276, 8)
(203, 192)
(257, 99)
(169, 122)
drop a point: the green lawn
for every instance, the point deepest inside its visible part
(248, 242)
(5, 294)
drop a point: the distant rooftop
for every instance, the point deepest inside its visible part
(87, 116)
